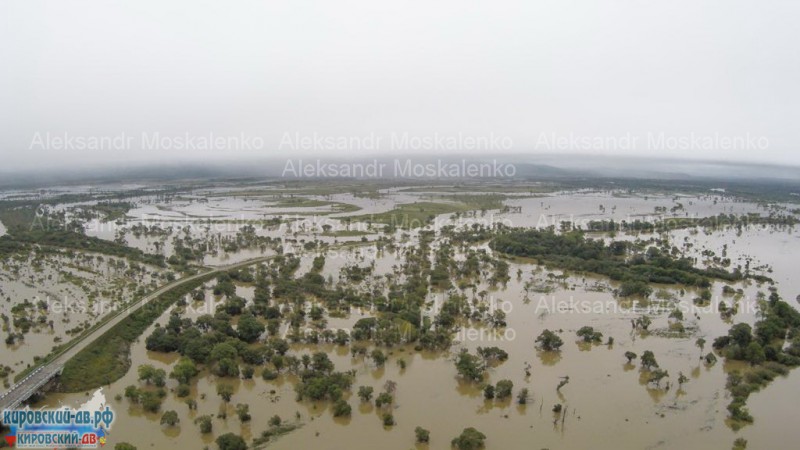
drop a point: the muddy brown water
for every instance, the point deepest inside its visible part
(608, 403)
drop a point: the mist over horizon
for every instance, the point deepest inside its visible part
(500, 167)
(89, 84)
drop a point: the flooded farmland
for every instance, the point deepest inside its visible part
(514, 225)
(584, 393)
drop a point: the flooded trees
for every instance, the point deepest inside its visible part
(151, 375)
(184, 371)
(243, 411)
(589, 334)
(549, 341)
(151, 400)
(503, 389)
(649, 360)
(365, 393)
(630, 356)
(204, 423)
(492, 354)
(643, 322)
(378, 357)
(469, 366)
(700, 343)
(230, 441)
(249, 328)
(657, 375)
(422, 435)
(319, 381)
(341, 409)
(638, 288)
(469, 439)
(170, 418)
(384, 399)
(225, 391)
(488, 392)
(522, 396)
(124, 446)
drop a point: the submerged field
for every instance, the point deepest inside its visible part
(427, 295)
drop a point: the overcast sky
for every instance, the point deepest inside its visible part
(526, 72)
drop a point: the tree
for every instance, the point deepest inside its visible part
(741, 334)
(205, 424)
(493, 353)
(223, 350)
(182, 390)
(243, 411)
(423, 436)
(649, 360)
(322, 364)
(341, 409)
(378, 357)
(184, 371)
(132, 393)
(657, 375)
(503, 389)
(488, 392)
(365, 393)
(388, 419)
(249, 328)
(682, 379)
(630, 356)
(170, 418)
(549, 341)
(469, 366)
(754, 353)
(226, 367)
(470, 439)
(225, 391)
(151, 401)
(247, 372)
(589, 335)
(275, 421)
(643, 322)
(150, 374)
(230, 441)
(700, 343)
(634, 287)
(522, 397)
(384, 398)
(124, 446)
(280, 346)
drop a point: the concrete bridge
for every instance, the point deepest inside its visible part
(28, 386)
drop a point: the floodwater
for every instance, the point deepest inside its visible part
(608, 403)
(67, 293)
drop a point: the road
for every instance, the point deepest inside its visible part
(36, 379)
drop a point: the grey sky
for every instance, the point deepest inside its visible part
(522, 70)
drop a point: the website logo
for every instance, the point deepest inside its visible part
(57, 428)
